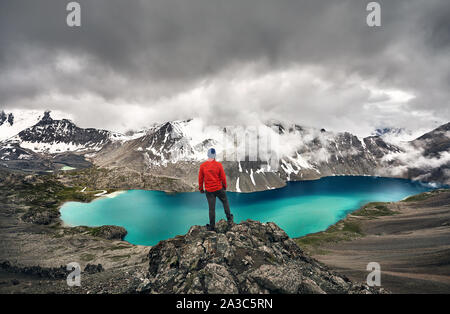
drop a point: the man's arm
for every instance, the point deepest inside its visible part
(201, 177)
(223, 177)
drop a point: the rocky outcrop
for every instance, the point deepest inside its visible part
(38, 271)
(92, 269)
(47, 272)
(41, 216)
(6, 118)
(109, 232)
(250, 257)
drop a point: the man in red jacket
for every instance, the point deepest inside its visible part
(211, 174)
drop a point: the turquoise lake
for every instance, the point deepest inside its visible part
(299, 208)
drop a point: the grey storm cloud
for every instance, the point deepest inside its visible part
(314, 62)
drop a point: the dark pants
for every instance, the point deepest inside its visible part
(211, 197)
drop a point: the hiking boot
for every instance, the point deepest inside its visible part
(230, 220)
(210, 228)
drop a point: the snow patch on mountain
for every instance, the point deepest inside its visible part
(119, 137)
(55, 147)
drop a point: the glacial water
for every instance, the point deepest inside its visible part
(299, 208)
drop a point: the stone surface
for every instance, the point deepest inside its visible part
(110, 232)
(92, 269)
(250, 257)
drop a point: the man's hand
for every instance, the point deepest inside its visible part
(202, 191)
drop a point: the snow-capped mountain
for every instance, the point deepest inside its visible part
(436, 142)
(35, 141)
(56, 136)
(177, 148)
(12, 122)
(255, 158)
(426, 158)
(42, 133)
(398, 135)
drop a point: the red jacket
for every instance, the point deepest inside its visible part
(211, 173)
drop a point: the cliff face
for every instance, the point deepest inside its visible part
(250, 257)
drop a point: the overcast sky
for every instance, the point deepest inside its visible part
(317, 63)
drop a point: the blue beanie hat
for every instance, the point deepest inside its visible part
(211, 153)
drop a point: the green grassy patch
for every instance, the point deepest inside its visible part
(419, 197)
(87, 257)
(40, 196)
(352, 226)
(375, 209)
(342, 231)
(94, 231)
(50, 194)
(425, 195)
(43, 195)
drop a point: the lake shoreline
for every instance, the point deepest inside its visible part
(277, 200)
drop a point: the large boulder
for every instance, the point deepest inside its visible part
(250, 257)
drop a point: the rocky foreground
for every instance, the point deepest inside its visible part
(250, 257)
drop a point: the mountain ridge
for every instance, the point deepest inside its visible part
(175, 149)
